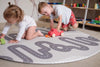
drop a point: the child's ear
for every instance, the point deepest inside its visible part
(48, 5)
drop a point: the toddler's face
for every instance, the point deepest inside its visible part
(11, 20)
(46, 11)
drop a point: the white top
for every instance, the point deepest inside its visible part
(23, 25)
(61, 10)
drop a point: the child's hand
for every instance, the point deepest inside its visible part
(13, 41)
(2, 36)
(58, 30)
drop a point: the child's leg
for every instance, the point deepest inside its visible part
(73, 21)
(65, 26)
(23, 37)
(65, 29)
(75, 25)
(31, 33)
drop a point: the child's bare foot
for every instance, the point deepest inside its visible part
(65, 29)
(40, 34)
(23, 37)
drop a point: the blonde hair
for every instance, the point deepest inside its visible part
(13, 11)
(41, 5)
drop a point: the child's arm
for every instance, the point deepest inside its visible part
(20, 34)
(5, 30)
(51, 24)
(59, 22)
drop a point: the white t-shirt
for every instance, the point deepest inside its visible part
(23, 25)
(61, 10)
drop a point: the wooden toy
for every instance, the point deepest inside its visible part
(95, 22)
(54, 33)
(74, 5)
(2, 40)
(99, 18)
(77, 4)
(83, 5)
(54, 3)
(80, 5)
(96, 18)
(47, 36)
(96, 6)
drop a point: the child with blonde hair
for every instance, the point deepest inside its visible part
(64, 14)
(27, 26)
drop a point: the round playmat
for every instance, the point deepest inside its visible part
(73, 46)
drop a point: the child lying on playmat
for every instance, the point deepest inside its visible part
(64, 14)
(14, 14)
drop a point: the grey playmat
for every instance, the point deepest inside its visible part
(73, 46)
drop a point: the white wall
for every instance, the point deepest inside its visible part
(3, 5)
(26, 5)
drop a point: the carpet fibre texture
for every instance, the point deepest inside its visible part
(73, 46)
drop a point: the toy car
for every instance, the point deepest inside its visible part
(54, 33)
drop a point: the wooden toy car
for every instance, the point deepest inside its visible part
(54, 33)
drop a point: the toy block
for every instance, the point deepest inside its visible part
(2, 40)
